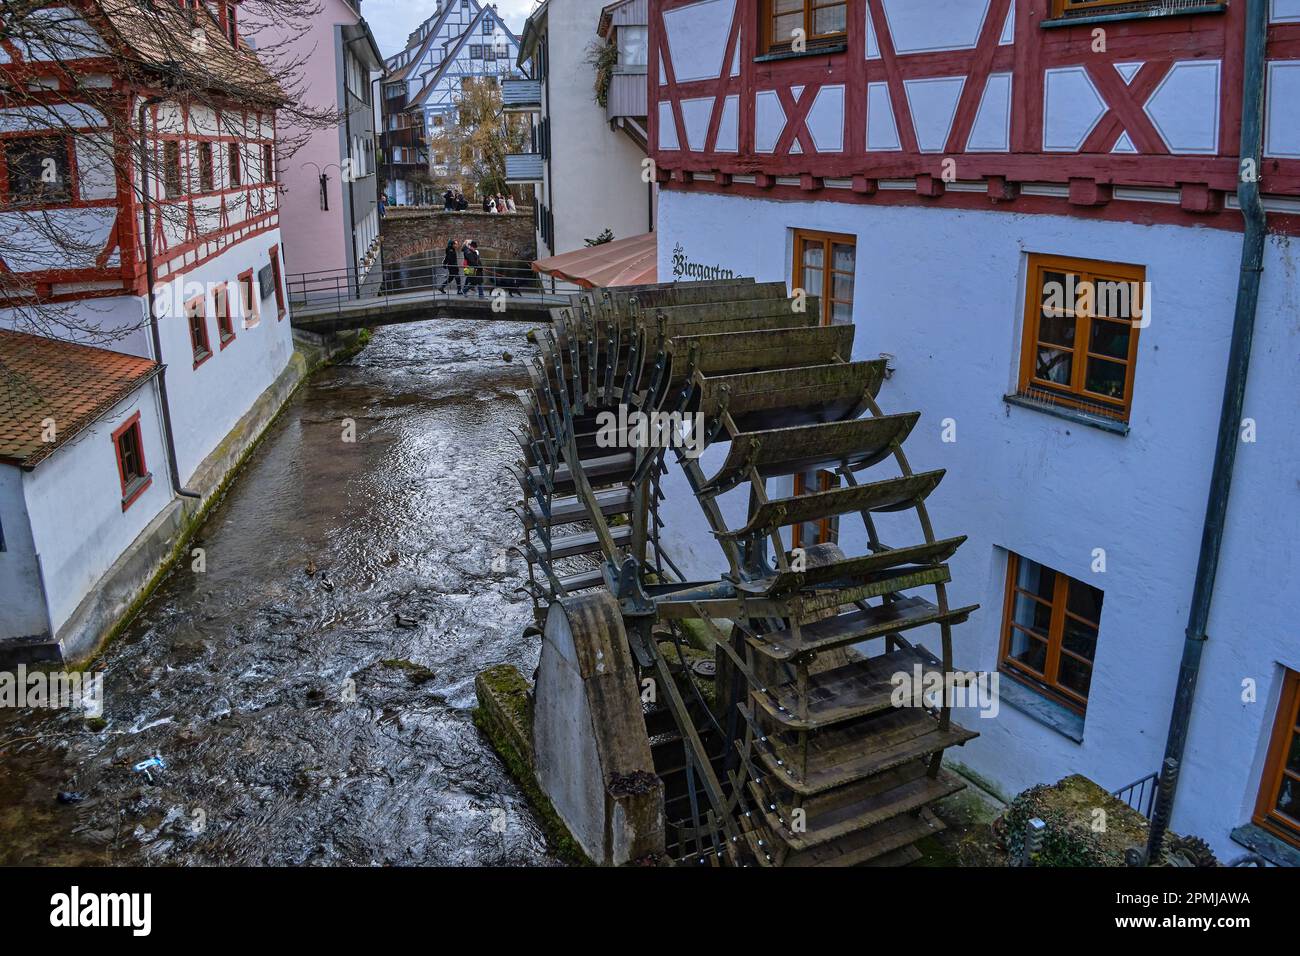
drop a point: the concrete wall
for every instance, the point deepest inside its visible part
(74, 502)
(207, 401)
(943, 291)
(22, 612)
(593, 180)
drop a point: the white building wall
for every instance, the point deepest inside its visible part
(22, 610)
(943, 291)
(594, 181)
(74, 502)
(206, 402)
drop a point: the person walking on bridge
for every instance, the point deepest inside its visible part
(450, 264)
(473, 268)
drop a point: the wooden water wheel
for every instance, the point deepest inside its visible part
(801, 757)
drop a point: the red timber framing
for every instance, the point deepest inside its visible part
(119, 267)
(1122, 149)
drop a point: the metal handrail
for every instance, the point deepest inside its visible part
(427, 275)
(1140, 795)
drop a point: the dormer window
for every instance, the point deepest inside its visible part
(229, 22)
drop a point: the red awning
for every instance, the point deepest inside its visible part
(630, 261)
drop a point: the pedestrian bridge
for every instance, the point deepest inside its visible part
(409, 291)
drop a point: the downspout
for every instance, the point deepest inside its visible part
(1234, 395)
(168, 434)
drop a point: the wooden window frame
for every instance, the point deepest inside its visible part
(1008, 665)
(201, 346)
(234, 166)
(1061, 8)
(248, 304)
(769, 44)
(277, 277)
(207, 177)
(268, 163)
(173, 186)
(136, 485)
(225, 315)
(70, 167)
(1284, 728)
(1075, 395)
(827, 532)
(828, 241)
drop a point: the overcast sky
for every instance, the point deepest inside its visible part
(392, 20)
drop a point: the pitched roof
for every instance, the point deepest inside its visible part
(163, 40)
(73, 384)
(423, 45)
(458, 44)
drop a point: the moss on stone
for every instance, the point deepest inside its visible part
(1086, 826)
(417, 672)
(503, 696)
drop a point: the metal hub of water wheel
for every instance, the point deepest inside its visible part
(801, 757)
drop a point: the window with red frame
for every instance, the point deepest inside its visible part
(233, 160)
(279, 282)
(171, 169)
(205, 167)
(131, 466)
(198, 331)
(225, 327)
(247, 299)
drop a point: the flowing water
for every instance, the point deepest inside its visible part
(281, 685)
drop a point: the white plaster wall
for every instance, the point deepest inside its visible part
(22, 603)
(595, 172)
(207, 402)
(118, 323)
(943, 291)
(74, 500)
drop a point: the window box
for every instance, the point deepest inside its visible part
(1066, 13)
(131, 469)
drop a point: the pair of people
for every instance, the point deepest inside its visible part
(471, 276)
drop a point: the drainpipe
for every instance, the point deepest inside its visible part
(168, 434)
(1234, 395)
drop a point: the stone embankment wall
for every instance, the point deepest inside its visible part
(408, 232)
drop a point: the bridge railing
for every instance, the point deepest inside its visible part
(421, 276)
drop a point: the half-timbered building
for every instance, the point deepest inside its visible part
(1031, 209)
(140, 216)
(462, 41)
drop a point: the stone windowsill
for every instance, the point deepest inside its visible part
(1260, 841)
(819, 50)
(1076, 415)
(1078, 19)
(1044, 710)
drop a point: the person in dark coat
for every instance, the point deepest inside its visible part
(450, 263)
(473, 268)
(461, 202)
(448, 201)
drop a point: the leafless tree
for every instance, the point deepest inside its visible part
(71, 73)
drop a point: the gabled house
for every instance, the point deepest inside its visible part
(461, 41)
